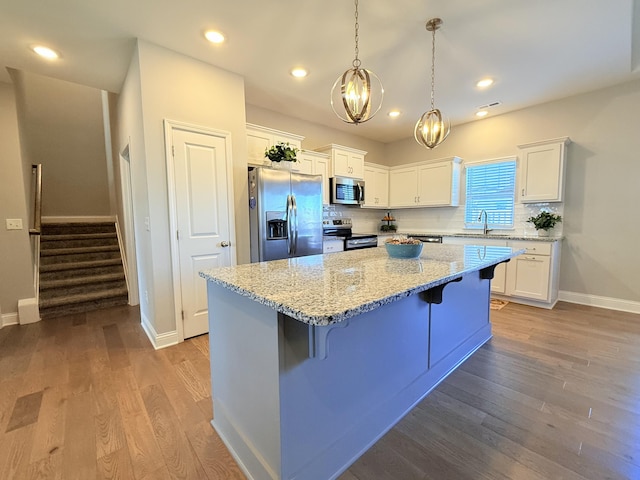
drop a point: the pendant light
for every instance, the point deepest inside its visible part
(432, 129)
(358, 91)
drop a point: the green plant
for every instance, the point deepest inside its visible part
(545, 220)
(281, 152)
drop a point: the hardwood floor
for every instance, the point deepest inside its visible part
(554, 395)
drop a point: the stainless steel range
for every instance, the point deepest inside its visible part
(341, 228)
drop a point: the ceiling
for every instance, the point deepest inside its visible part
(536, 51)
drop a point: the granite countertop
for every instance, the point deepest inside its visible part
(494, 236)
(330, 288)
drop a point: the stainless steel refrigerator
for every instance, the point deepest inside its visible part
(285, 214)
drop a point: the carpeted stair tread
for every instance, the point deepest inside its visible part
(70, 309)
(80, 265)
(79, 250)
(82, 297)
(81, 280)
(82, 289)
(78, 257)
(79, 227)
(77, 236)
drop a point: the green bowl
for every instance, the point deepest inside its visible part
(403, 250)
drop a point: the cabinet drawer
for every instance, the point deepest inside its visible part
(331, 246)
(533, 248)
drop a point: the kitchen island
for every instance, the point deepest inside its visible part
(314, 358)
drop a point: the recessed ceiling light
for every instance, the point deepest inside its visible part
(299, 72)
(484, 83)
(394, 113)
(214, 37)
(481, 113)
(45, 52)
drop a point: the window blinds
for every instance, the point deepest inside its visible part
(491, 187)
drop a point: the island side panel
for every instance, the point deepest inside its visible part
(464, 311)
(375, 371)
(243, 342)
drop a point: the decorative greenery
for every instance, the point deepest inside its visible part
(545, 220)
(281, 152)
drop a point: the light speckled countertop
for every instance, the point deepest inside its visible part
(494, 236)
(330, 288)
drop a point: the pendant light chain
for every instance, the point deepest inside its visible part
(433, 67)
(356, 61)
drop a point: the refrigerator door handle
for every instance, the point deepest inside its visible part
(295, 224)
(289, 221)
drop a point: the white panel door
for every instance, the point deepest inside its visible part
(203, 219)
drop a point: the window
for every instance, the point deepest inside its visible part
(491, 187)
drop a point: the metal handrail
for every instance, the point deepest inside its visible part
(37, 201)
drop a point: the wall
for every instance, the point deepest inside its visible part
(166, 85)
(16, 269)
(61, 127)
(599, 253)
(316, 135)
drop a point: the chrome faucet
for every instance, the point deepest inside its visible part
(485, 227)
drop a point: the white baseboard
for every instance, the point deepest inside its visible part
(598, 301)
(28, 311)
(158, 340)
(79, 219)
(7, 319)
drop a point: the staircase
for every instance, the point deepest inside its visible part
(80, 268)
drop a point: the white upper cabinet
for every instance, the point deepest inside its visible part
(345, 161)
(376, 186)
(314, 163)
(260, 138)
(433, 184)
(541, 170)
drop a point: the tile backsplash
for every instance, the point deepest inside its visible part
(437, 219)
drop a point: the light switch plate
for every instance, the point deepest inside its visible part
(14, 224)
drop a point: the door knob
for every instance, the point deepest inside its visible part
(224, 244)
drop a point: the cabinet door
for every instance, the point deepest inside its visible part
(303, 165)
(434, 184)
(376, 181)
(541, 172)
(499, 281)
(528, 277)
(356, 165)
(403, 187)
(257, 143)
(321, 167)
(341, 164)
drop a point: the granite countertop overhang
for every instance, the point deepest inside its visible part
(330, 288)
(472, 235)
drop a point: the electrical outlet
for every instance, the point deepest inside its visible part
(14, 224)
(146, 296)
(147, 224)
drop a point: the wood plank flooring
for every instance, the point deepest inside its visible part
(554, 395)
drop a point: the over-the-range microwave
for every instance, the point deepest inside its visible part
(346, 191)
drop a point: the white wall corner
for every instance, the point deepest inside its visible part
(28, 311)
(598, 301)
(158, 340)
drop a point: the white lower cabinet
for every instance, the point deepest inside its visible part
(531, 278)
(332, 245)
(529, 275)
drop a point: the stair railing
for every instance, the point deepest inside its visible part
(37, 199)
(35, 230)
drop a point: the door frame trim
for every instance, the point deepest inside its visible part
(169, 127)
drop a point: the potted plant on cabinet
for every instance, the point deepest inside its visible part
(281, 152)
(544, 222)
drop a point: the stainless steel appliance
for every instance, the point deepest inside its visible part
(428, 238)
(341, 228)
(346, 191)
(285, 214)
